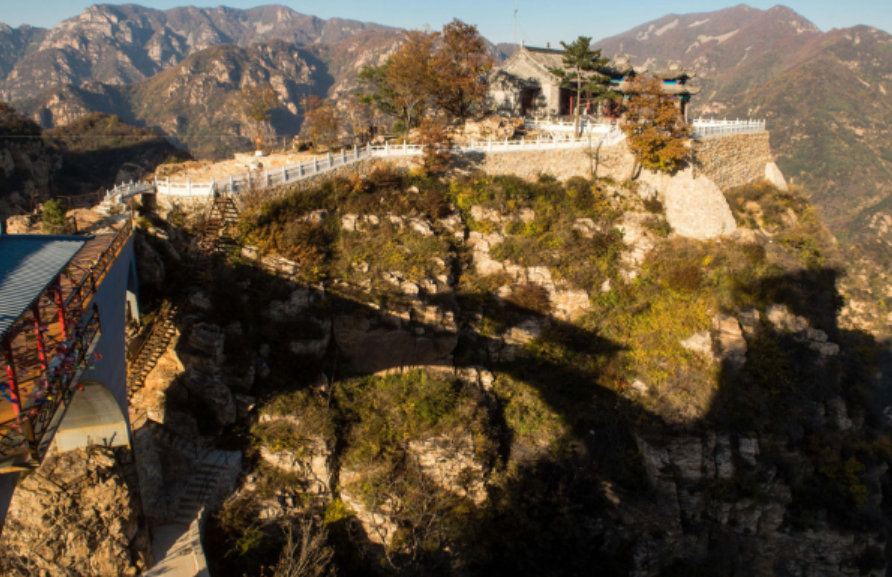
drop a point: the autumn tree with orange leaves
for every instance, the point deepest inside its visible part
(657, 132)
(461, 64)
(321, 121)
(432, 73)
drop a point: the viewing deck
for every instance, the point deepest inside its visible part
(50, 344)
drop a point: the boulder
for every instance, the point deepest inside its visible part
(700, 343)
(696, 207)
(215, 396)
(201, 301)
(784, 320)
(729, 337)
(451, 464)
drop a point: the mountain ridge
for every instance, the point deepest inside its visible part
(122, 44)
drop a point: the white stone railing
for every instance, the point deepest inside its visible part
(585, 126)
(319, 165)
(708, 128)
(125, 191)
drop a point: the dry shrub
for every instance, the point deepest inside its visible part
(531, 297)
(436, 140)
(356, 184)
(436, 204)
(685, 278)
(384, 175)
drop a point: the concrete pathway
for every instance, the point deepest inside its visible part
(177, 546)
(174, 549)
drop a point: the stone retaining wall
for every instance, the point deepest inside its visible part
(731, 161)
(614, 162)
(728, 161)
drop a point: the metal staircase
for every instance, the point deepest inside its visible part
(155, 344)
(222, 212)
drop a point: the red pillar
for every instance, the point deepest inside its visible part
(10, 375)
(60, 307)
(41, 346)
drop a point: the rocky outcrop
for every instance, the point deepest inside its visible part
(76, 515)
(696, 207)
(313, 463)
(451, 464)
(639, 242)
(774, 176)
(424, 335)
(566, 302)
(785, 321)
(214, 394)
(751, 513)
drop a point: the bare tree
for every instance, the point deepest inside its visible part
(307, 554)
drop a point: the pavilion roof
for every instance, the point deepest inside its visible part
(28, 265)
(674, 72)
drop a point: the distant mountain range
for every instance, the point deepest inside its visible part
(120, 45)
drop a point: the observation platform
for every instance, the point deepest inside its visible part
(63, 303)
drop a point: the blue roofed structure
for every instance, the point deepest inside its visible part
(64, 303)
(28, 266)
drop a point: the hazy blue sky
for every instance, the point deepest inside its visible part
(540, 21)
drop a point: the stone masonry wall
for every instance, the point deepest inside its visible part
(614, 162)
(728, 161)
(731, 161)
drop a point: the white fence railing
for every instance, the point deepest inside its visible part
(126, 191)
(278, 176)
(586, 126)
(705, 128)
(597, 134)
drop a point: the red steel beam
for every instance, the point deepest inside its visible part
(38, 331)
(60, 307)
(10, 374)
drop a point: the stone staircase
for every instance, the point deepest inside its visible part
(177, 545)
(213, 469)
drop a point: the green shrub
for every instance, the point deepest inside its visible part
(55, 220)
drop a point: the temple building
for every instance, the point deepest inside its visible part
(526, 86)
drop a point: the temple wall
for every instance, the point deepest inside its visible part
(731, 161)
(521, 67)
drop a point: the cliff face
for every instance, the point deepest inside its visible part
(78, 514)
(26, 163)
(496, 376)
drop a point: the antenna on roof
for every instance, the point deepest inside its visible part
(515, 22)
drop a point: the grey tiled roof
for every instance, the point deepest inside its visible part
(28, 264)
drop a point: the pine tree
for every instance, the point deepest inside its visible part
(582, 72)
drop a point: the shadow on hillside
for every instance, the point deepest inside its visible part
(86, 171)
(586, 502)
